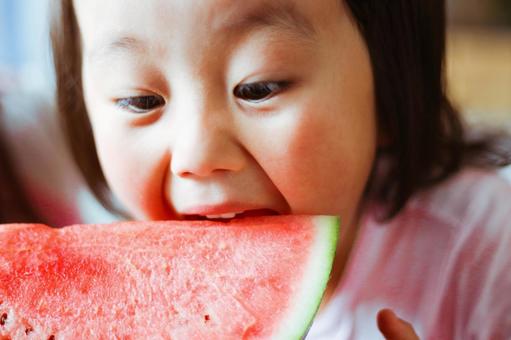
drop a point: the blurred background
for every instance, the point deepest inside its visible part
(478, 67)
(24, 50)
(45, 176)
(479, 59)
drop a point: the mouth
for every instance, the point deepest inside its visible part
(230, 215)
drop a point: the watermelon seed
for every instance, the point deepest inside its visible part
(206, 317)
(51, 337)
(3, 318)
(28, 330)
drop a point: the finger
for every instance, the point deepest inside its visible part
(394, 328)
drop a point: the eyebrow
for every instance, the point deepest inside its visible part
(275, 15)
(118, 45)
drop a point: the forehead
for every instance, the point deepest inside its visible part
(119, 23)
(211, 12)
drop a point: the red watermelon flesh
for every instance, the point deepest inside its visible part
(250, 278)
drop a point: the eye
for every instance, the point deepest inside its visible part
(141, 104)
(259, 91)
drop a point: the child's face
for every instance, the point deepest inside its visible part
(216, 106)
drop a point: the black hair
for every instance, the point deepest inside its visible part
(427, 141)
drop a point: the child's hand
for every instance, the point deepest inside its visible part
(394, 328)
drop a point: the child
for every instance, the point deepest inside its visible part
(218, 108)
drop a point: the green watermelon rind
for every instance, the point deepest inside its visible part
(316, 276)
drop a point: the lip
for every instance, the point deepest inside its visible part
(197, 212)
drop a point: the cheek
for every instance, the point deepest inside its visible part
(322, 158)
(134, 163)
(134, 173)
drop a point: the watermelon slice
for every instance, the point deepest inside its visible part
(249, 278)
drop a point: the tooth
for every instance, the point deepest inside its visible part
(226, 215)
(229, 215)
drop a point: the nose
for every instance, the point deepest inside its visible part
(205, 144)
